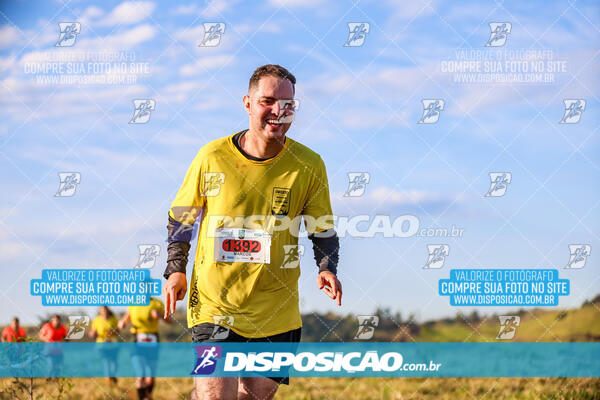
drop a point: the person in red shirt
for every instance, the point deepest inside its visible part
(51, 333)
(13, 333)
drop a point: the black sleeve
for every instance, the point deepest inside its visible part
(326, 247)
(177, 248)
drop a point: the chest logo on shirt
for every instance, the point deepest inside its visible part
(212, 183)
(280, 203)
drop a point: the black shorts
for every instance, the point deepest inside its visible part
(205, 332)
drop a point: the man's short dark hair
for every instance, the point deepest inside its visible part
(273, 70)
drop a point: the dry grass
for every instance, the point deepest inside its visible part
(333, 388)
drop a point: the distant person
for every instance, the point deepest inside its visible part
(105, 328)
(13, 332)
(144, 326)
(52, 333)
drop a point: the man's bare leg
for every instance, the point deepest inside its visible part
(215, 388)
(140, 386)
(256, 389)
(149, 383)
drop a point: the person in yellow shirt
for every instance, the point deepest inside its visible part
(105, 330)
(144, 327)
(250, 191)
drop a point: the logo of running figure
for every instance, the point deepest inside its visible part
(77, 326)
(207, 359)
(148, 255)
(508, 326)
(187, 223)
(357, 183)
(573, 110)
(212, 34)
(292, 255)
(68, 183)
(431, 110)
(142, 108)
(366, 326)
(579, 255)
(222, 324)
(499, 183)
(212, 183)
(498, 34)
(68, 33)
(437, 255)
(358, 33)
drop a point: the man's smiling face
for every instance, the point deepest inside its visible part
(265, 111)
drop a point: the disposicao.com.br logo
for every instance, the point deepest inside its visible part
(349, 362)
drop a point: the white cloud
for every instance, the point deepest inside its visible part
(20, 97)
(7, 63)
(327, 84)
(386, 82)
(121, 41)
(267, 27)
(230, 40)
(407, 10)
(358, 118)
(127, 13)
(185, 86)
(206, 63)
(9, 36)
(327, 61)
(216, 8)
(179, 92)
(189, 9)
(12, 249)
(192, 34)
(92, 12)
(296, 3)
(395, 197)
(212, 104)
(386, 199)
(178, 138)
(392, 79)
(89, 16)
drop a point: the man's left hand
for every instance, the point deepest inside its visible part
(333, 287)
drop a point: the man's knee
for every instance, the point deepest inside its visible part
(257, 388)
(215, 388)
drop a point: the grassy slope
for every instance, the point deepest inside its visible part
(582, 324)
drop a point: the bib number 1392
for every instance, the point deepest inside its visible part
(242, 245)
(247, 246)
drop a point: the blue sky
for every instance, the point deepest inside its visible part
(359, 110)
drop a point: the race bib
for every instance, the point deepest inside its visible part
(242, 245)
(146, 338)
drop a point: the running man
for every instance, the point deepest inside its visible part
(52, 333)
(250, 191)
(105, 330)
(144, 326)
(13, 332)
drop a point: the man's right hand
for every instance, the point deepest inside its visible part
(174, 290)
